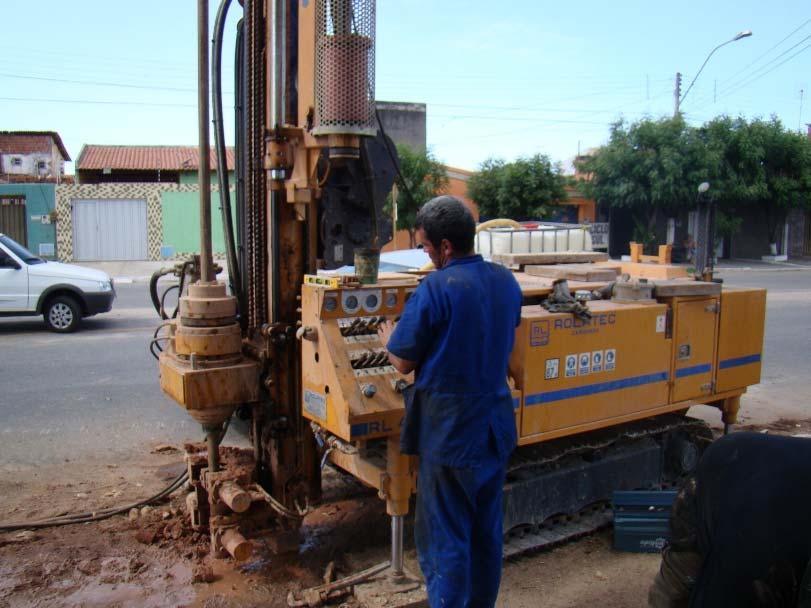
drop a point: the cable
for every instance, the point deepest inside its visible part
(81, 518)
(102, 83)
(745, 83)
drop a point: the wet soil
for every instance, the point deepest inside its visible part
(152, 558)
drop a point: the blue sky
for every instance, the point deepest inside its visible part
(500, 79)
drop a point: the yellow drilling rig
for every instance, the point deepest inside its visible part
(600, 399)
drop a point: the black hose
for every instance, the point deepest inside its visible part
(222, 165)
(82, 518)
(153, 289)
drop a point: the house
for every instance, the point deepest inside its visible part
(31, 154)
(31, 164)
(136, 203)
(143, 164)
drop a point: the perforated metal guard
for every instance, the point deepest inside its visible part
(345, 67)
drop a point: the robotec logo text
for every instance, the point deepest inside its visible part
(539, 331)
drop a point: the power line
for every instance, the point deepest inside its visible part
(101, 102)
(104, 83)
(747, 66)
(758, 77)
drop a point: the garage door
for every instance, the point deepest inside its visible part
(109, 229)
(12, 218)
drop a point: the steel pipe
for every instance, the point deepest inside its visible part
(204, 169)
(278, 62)
(397, 546)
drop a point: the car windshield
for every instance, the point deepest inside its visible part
(20, 251)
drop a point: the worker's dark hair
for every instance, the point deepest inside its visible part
(446, 217)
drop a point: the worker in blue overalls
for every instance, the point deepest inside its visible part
(457, 331)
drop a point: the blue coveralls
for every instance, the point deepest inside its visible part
(459, 327)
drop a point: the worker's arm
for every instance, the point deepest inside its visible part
(404, 366)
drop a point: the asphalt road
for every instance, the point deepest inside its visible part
(76, 396)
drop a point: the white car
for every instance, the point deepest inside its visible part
(61, 293)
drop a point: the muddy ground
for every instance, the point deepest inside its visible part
(151, 558)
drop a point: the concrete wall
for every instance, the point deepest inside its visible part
(40, 199)
(404, 123)
(798, 227)
(181, 223)
(190, 178)
(752, 241)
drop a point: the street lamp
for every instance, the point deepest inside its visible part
(738, 36)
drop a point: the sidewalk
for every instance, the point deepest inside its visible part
(761, 266)
(138, 271)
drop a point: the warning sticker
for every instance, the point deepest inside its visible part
(585, 364)
(661, 323)
(315, 404)
(596, 361)
(610, 363)
(571, 366)
(552, 369)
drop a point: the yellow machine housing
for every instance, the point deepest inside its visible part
(632, 360)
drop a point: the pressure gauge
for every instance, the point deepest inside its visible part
(391, 299)
(351, 305)
(330, 303)
(371, 299)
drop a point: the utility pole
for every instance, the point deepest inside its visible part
(677, 95)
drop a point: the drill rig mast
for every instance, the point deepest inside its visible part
(313, 172)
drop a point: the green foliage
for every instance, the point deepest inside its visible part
(648, 166)
(727, 225)
(520, 190)
(656, 165)
(425, 177)
(764, 165)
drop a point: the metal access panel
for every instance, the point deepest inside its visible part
(109, 229)
(12, 218)
(582, 374)
(695, 328)
(740, 338)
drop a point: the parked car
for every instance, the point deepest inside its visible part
(61, 293)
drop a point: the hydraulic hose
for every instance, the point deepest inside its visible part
(82, 518)
(222, 165)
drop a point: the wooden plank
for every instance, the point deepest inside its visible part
(685, 287)
(556, 257)
(654, 271)
(574, 272)
(532, 286)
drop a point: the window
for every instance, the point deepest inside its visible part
(16, 161)
(41, 165)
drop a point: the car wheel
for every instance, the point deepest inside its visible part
(62, 314)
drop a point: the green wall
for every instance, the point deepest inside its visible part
(40, 199)
(190, 177)
(181, 222)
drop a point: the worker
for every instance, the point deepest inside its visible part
(456, 332)
(740, 531)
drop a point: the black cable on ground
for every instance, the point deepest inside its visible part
(81, 518)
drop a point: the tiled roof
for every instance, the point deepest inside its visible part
(29, 142)
(146, 158)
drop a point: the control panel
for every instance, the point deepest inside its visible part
(349, 387)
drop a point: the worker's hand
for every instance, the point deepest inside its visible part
(384, 332)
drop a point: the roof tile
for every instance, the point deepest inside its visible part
(146, 158)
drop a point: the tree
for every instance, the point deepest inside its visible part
(764, 165)
(425, 177)
(650, 167)
(523, 189)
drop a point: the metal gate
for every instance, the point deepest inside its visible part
(109, 229)
(12, 218)
(807, 234)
